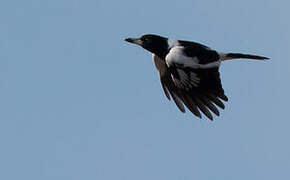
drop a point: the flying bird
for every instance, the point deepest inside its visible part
(189, 72)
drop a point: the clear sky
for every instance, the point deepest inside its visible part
(78, 102)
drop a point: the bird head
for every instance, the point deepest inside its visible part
(153, 43)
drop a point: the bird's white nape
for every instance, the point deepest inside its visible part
(172, 42)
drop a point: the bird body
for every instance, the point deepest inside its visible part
(189, 73)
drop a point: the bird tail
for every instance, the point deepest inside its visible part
(229, 56)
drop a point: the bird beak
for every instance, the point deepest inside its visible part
(137, 41)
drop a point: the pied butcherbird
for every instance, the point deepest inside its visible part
(189, 72)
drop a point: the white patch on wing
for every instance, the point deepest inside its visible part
(177, 57)
(172, 43)
(186, 80)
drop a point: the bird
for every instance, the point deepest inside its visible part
(189, 72)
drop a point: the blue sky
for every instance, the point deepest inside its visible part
(77, 102)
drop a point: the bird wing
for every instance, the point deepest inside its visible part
(198, 88)
(167, 83)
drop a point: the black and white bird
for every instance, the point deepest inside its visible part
(189, 72)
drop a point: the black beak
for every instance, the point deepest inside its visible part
(130, 40)
(137, 41)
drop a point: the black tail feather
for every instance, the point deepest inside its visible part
(244, 56)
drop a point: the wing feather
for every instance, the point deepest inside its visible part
(177, 101)
(209, 104)
(165, 79)
(191, 105)
(203, 108)
(165, 90)
(204, 96)
(215, 100)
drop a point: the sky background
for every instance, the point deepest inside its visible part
(78, 102)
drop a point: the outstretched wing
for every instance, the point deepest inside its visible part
(199, 89)
(167, 83)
